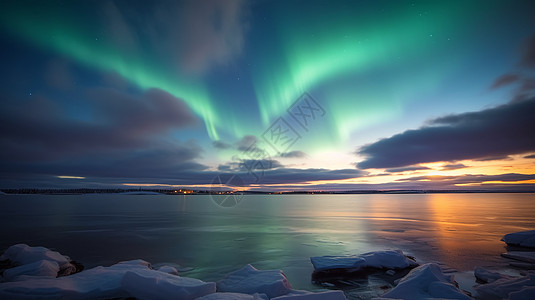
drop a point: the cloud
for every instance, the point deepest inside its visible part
(291, 175)
(293, 154)
(453, 167)
(504, 80)
(246, 142)
(499, 131)
(126, 136)
(489, 158)
(405, 169)
(221, 145)
(530, 156)
(465, 179)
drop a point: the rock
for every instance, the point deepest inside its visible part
(506, 287)
(426, 282)
(249, 280)
(523, 239)
(389, 259)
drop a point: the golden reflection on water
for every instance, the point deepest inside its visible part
(463, 225)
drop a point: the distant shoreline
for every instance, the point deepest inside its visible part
(208, 192)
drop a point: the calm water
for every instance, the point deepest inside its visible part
(269, 231)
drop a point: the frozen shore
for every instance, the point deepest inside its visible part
(39, 273)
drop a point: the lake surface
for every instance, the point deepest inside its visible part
(461, 231)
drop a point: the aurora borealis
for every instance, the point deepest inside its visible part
(170, 93)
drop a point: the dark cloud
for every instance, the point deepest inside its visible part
(290, 175)
(246, 143)
(405, 169)
(530, 156)
(221, 145)
(292, 154)
(499, 131)
(453, 167)
(246, 165)
(504, 80)
(489, 158)
(194, 35)
(464, 179)
(126, 136)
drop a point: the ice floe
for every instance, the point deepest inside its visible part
(249, 280)
(389, 259)
(40, 268)
(508, 288)
(487, 276)
(126, 279)
(426, 282)
(524, 256)
(523, 238)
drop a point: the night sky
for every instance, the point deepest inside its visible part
(283, 95)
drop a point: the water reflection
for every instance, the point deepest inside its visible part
(271, 232)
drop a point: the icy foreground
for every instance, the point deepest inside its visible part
(35, 276)
(523, 239)
(391, 259)
(426, 282)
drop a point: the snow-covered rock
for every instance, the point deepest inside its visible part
(523, 238)
(41, 268)
(249, 280)
(233, 296)
(508, 288)
(390, 259)
(306, 295)
(426, 282)
(156, 285)
(168, 270)
(22, 254)
(108, 282)
(521, 255)
(487, 276)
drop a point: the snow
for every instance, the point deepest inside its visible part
(389, 259)
(306, 295)
(233, 296)
(41, 268)
(168, 270)
(107, 282)
(425, 282)
(487, 276)
(521, 255)
(22, 254)
(523, 238)
(150, 284)
(508, 288)
(249, 280)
